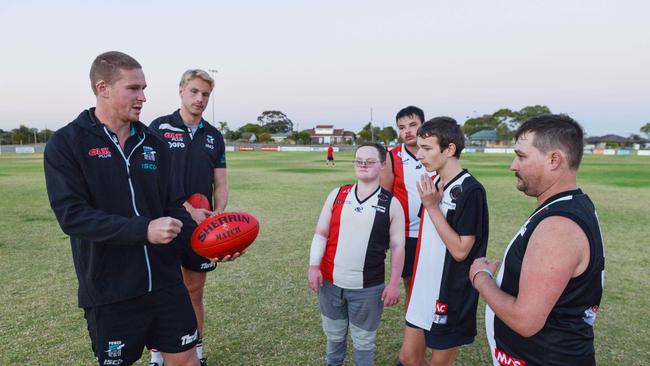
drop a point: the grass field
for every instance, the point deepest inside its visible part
(259, 310)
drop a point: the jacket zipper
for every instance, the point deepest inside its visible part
(135, 208)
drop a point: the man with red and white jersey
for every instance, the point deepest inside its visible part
(399, 177)
(357, 225)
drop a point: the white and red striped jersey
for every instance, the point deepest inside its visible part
(358, 239)
(407, 170)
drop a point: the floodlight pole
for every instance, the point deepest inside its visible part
(213, 71)
(372, 132)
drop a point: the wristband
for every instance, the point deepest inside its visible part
(479, 271)
(317, 250)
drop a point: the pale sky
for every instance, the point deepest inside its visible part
(330, 62)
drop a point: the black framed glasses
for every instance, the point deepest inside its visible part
(362, 163)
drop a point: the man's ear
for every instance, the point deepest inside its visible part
(556, 158)
(451, 149)
(102, 88)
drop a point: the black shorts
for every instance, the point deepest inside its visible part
(195, 263)
(409, 256)
(443, 341)
(330, 158)
(163, 320)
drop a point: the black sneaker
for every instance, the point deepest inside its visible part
(203, 362)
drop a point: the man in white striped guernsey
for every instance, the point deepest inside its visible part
(543, 304)
(441, 313)
(399, 177)
(357, 225)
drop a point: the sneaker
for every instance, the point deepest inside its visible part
(203, 362)
(155, 364)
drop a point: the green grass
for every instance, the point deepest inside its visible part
(258, 308)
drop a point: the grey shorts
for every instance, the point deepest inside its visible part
(362, 307)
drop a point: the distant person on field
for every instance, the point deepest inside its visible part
(198, 154)
(330, 155)
(109, 181)
(402, 172)
(357, 224)
(542, 306)
(441, 312)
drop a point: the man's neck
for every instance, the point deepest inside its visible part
(562, 184)
(413, 150)
(450, 170)
(121, 128)
(365, 189)
(190, 119)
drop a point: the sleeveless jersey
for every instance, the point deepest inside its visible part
(442, 299)
(358, 239)
(567, 336)
(407, 170)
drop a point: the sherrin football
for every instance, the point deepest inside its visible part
(199, 200)
(225, 234)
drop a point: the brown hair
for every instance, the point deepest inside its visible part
(107, 67)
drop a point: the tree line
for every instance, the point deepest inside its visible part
(504, 121)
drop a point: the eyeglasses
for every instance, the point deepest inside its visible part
(368, 163)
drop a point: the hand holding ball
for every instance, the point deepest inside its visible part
(225, 234)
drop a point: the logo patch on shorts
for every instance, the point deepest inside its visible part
(187, 339)
(115, 349)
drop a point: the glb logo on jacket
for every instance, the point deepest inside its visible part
(100, 152)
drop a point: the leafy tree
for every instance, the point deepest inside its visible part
(530, 112)
(232, 135)
(387, 134)
(366, 134)
(485, 122)
(264, 137)
(251, 127)
(44, 135)
(301, 137)
(275, 122)
(646, 129)
(22, 135)
(223, 127)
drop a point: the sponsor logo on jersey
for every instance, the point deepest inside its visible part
(441, 308)
(455, 192)
(100, 152)
(505, 360)
(173, 136)
(359, 209)
(440, 319)
(149, 153)
(590, 315)
(419, 166)
(379, 209)
(149, 166)
(187, 339)
(382, 197)
(115, 348)
(210, 142)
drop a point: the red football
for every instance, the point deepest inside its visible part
(198, 200)
(225, 234)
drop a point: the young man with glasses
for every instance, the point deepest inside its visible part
(357, 225)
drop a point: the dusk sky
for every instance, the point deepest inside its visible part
(330, 62)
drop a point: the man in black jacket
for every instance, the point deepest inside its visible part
(109, 183)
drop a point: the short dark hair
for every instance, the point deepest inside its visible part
(556, 131)
(446, 130)
(107, 67)
(380, 149)
(410, 111)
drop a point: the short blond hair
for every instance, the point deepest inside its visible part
(196, 73)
